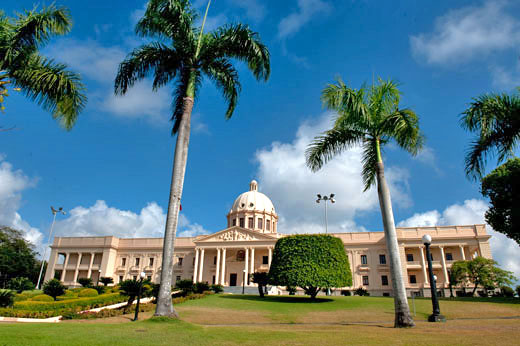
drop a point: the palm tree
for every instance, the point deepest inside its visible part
(41, 79)
(183, 54)
(371, 117)
(495, 119)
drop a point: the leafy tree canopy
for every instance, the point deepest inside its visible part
(54, 288)
(17, 257)
(502, 186)
(485, 272)
(311, 262)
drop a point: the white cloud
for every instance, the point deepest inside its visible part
(504, 78)
(307, 9)
(103, 220)
(467, 33)
(12, 184)
(505, 251)
(427, 156)
(285, 178)
(255, 9)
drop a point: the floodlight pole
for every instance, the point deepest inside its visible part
(54, 212)
(326, 199)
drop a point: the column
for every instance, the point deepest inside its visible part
(423, 264)
(77, 267)
(462, 254)
(246, 265)
(444, 269)
(252, 265)
(201, 264)
(89, 274)
(196, 266)
(223, 273)
(67, 255)
(217, 272)
(270, 256)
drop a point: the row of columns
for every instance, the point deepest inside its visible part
(443, 263)
(76, 271)
(220, 270)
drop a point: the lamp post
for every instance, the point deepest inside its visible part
(142, 275)
(54, 212)
(436, 315)
(98, 275)
(244, 282)
(326, 198)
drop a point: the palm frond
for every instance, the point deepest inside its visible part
(403, 126)
(238, 42)
(324, 147)
(369, 163)
(179, 94)
(223, 73)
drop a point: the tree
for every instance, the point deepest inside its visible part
(370, 117)
(502, 186)
(6, 298)
(484, 272)
(85, 282)
(311, 262)
(261, 279)
(53, 288)
(457, 274)
(20, 284)
(131, 289)
(50, 84)
(105, 280)
(17, 257)
(495, 120)
(182, 55)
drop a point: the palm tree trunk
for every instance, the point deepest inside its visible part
(403, 318)
(164, 299)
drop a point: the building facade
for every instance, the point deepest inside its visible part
(246, 245)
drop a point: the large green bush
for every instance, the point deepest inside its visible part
(74, 304)
(6, 298)
(201, 287)
(217, 288)
(88, 292)
(186, 286)
(53, 288)
(42, 298)
(85, 282)
(311, 262)
(20, 284)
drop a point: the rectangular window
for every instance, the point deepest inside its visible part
(251, 223)
(177, 278)
(265, 259)
(234, 222)
(180, 261)
(382, 259)
(120, 278)
(242, 222)
(449, 256)
(364, 259)
(151, 261)
(213, 279)
(137, 260)
(409, 257)
(384, 280)
(215, 260)
(260, 223)
(413, 279)
(123, 261)
(365, 280)
(268, 225)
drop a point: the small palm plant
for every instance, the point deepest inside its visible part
(370, 117)
(183, 54)
(41, 79)
(54, 288)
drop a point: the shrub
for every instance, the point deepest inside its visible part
(260, 278)
(100, 289)
(85, 282)
(507, 291)
(6, 298)
(53, 288)
(72, 304)
(186, 286)
(217, 288)
(200, 287)
(88, 292)
(346, 293)
(130, 288)
(291, 290)
(311, 262)
(42, 298)
(20, 284)
(518, 291)
(106, 280)
(361, 292)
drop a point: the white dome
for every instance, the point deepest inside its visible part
(253, 200)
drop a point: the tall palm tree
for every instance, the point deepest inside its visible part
(370, 117)
(41, 79)
(183, 54)
(495, 119)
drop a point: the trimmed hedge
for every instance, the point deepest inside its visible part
(88, 292)
(73, 304)
(42, 298)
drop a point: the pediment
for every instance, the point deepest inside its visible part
(235, 234)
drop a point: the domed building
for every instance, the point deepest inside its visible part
(245, 246)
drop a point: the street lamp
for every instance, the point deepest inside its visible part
(98, 275)
(142, 275)
(326, 198)
(244, 282)
(436, 315)
(54, 212)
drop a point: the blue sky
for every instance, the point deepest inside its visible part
(112, 171)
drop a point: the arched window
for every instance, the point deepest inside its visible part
(241, 255)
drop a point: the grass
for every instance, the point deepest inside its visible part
(249, 320)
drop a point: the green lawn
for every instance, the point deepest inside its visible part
(249, 320)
